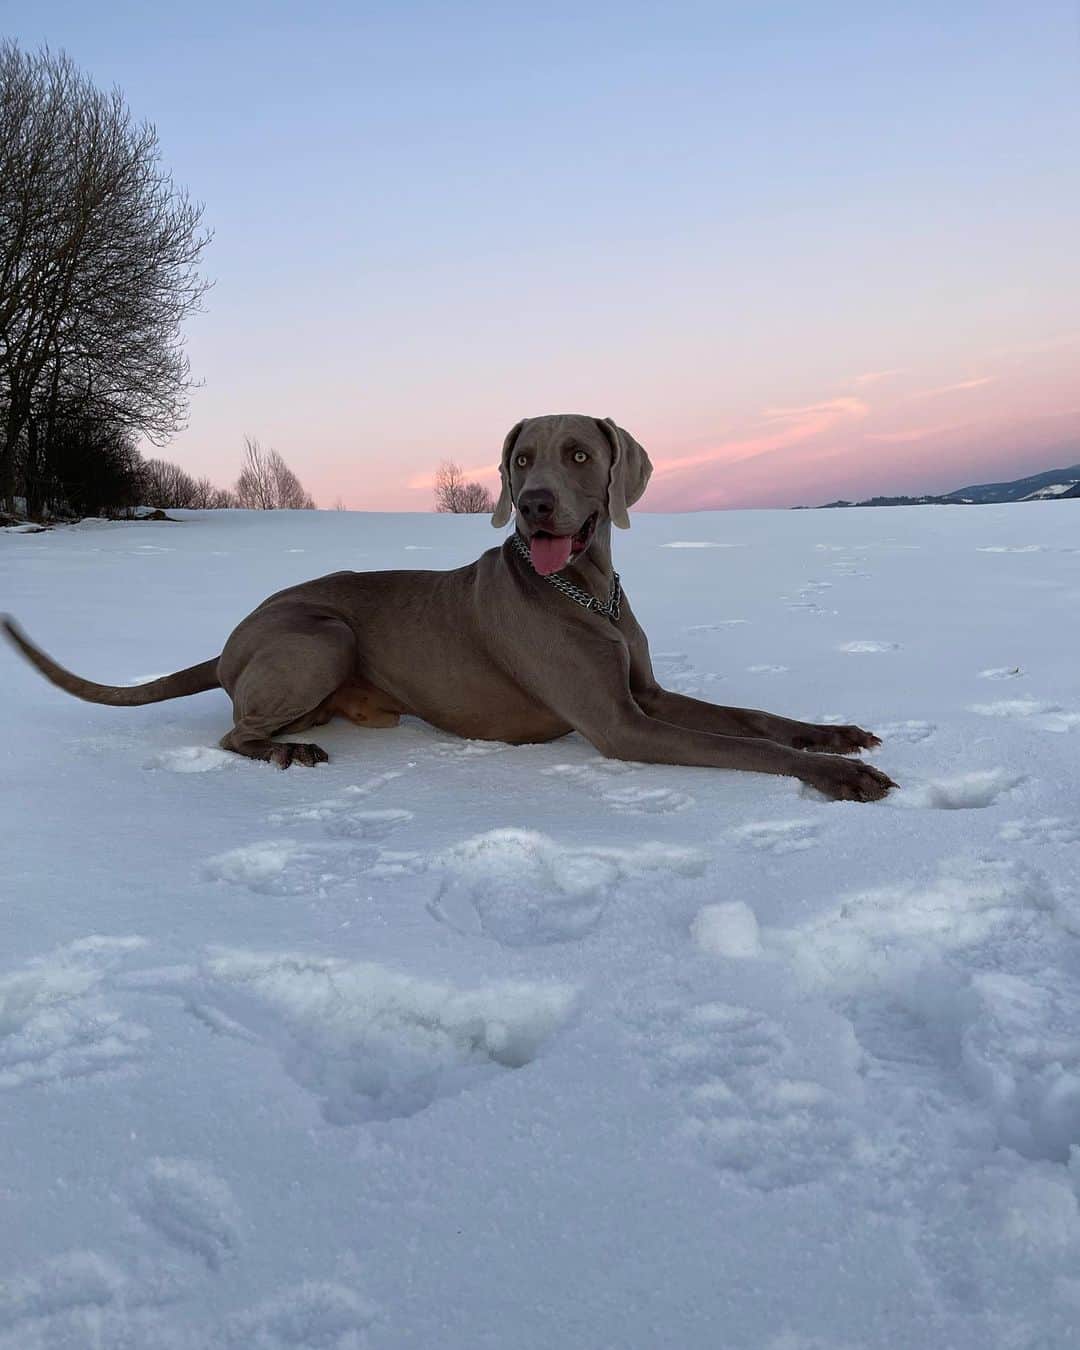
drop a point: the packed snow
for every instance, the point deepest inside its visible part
(455, 1044)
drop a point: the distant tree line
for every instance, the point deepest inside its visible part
(101, 477)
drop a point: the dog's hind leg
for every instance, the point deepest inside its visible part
(284, 674)
(362, 704)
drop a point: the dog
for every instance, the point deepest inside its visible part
(531, 641)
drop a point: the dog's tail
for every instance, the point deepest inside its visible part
(194, 680)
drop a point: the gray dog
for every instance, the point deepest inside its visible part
(531, 641)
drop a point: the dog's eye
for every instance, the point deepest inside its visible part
(580, 457)
(521, 461)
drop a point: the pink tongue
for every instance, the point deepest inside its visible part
(550, 554)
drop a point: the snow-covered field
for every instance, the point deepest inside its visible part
(457, 1045)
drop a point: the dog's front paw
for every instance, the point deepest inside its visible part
(297, 752)
(844, 780)
(835, 740)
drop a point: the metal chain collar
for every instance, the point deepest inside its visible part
(609, 608)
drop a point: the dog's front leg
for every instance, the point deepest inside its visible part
(712, 717)
(590, 688)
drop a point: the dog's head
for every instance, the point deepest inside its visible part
(565, 475)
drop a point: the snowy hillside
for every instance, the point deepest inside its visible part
(457, 1045)
(1051, 490)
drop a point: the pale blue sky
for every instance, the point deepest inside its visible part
(431, 220)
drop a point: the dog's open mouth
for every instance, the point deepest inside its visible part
(552, 552)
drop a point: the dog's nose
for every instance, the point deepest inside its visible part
(537, 505)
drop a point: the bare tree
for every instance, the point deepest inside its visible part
(454, 494)
(476, 499)
(210, 498)
(166, 484)
(266, 482)
(254, 488)
(289, 493)
(98, 266)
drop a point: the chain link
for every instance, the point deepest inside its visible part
(609, 608)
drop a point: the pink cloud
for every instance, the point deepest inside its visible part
(874, 377)
(797, 425)
(955, 388)
(914, 434)
(842, 406)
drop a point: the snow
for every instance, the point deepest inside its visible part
(457, 1044)
(1051, 490)
(728, 929)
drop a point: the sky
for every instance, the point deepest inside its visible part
(799, 251)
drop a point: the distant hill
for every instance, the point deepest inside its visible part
(1052, 485)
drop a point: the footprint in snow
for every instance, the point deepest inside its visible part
(677, 673)
(699, 543)
(593, 772)
(777, 836)
(1001, 673)
(806, 598)
(745, 1107)
(317, 1313)
(372, 1043)
(1012, 548)
(343, 817)
(768, 670)
(961, 792)
(631, 799)
(79, 1298)
(667, 664)
(57, 1021)
(465, 749)
(957, 989)
(292, 867)
(522, 889)
(287, 867)
(864, 646)
(647, 801)
(908, 733)
(1043, 716)
(345, 820)
(193, 759)
(807, 606)
(330, 807)
(693, 685)
(190, 1206)
(1044, 830)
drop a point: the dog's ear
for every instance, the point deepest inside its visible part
(630, 471)
(505, 505)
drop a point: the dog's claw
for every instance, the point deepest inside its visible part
(845, 781)
(836, 740)
(293, 752)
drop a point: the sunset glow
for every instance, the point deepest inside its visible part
(800, 252)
